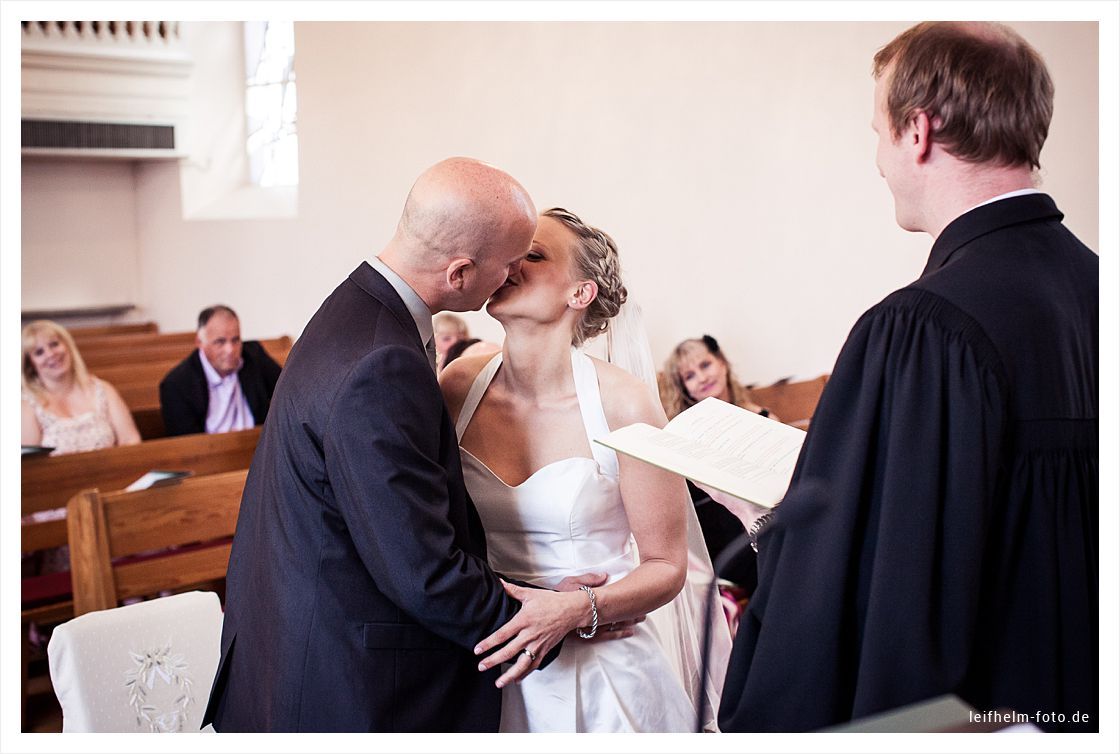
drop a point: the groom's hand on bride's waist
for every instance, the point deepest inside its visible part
(543, 621)
(527, 640)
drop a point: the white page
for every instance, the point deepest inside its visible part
(742, 434)
(738, 452)
(152, 477)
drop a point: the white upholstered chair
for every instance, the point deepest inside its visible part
(143, 668)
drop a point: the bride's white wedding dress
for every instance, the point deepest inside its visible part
(566, 519)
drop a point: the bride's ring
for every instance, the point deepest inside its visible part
(530, 653)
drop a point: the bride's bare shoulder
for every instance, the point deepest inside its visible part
(456, 378)
(626, 399)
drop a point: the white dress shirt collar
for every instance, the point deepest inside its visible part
(416, 306)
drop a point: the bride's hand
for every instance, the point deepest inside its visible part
(542, 622)
(620, 629)
(573, 583)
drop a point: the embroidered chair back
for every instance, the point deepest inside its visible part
(138, 544)
(143, 668)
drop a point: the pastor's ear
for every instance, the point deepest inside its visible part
(457, 273)
(584, 294)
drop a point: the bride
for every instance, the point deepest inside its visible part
(553, 502)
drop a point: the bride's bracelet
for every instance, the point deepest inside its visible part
(594, 616)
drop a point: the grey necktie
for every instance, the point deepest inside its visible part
(430, 349)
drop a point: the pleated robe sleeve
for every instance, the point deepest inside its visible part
(867, 595)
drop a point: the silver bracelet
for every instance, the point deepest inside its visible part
(757, 527)
(594, 616)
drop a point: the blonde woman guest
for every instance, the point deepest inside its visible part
(66, 408)
(63, 406)
(697, 369)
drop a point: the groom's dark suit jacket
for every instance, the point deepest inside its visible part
(358, 583)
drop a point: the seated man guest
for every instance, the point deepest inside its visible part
(224, 385)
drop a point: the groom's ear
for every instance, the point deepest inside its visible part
(457, 273)
(584, 294)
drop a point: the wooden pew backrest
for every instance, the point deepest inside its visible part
(49, 482)
(197, 518)
(84, 334)
(172, 348)
(792, 402)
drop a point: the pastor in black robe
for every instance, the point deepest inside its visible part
(940, 532)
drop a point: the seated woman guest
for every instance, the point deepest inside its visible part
(65, 407)
(697, 369)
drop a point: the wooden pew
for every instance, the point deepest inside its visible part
(95, 348)
(49, 482)
(114, 351)
(81, 334)
(792, 402)
(124, 353)
(149, 423)
(196, 517)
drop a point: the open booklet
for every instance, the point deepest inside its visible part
(157, 478)
(719, 445)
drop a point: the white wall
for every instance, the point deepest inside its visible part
(78, 228)
(733, 163)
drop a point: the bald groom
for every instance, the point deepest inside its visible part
(358, 584)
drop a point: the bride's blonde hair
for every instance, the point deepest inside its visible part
(596, 259)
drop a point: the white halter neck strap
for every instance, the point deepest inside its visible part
(587, 393)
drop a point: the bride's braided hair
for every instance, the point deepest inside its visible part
(596, 259)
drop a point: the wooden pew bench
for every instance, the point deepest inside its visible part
(169, 347)
(84, 334)
(792, 402)
(49, 482)
(138, 544)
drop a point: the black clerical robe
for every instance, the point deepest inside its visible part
(940, 532)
